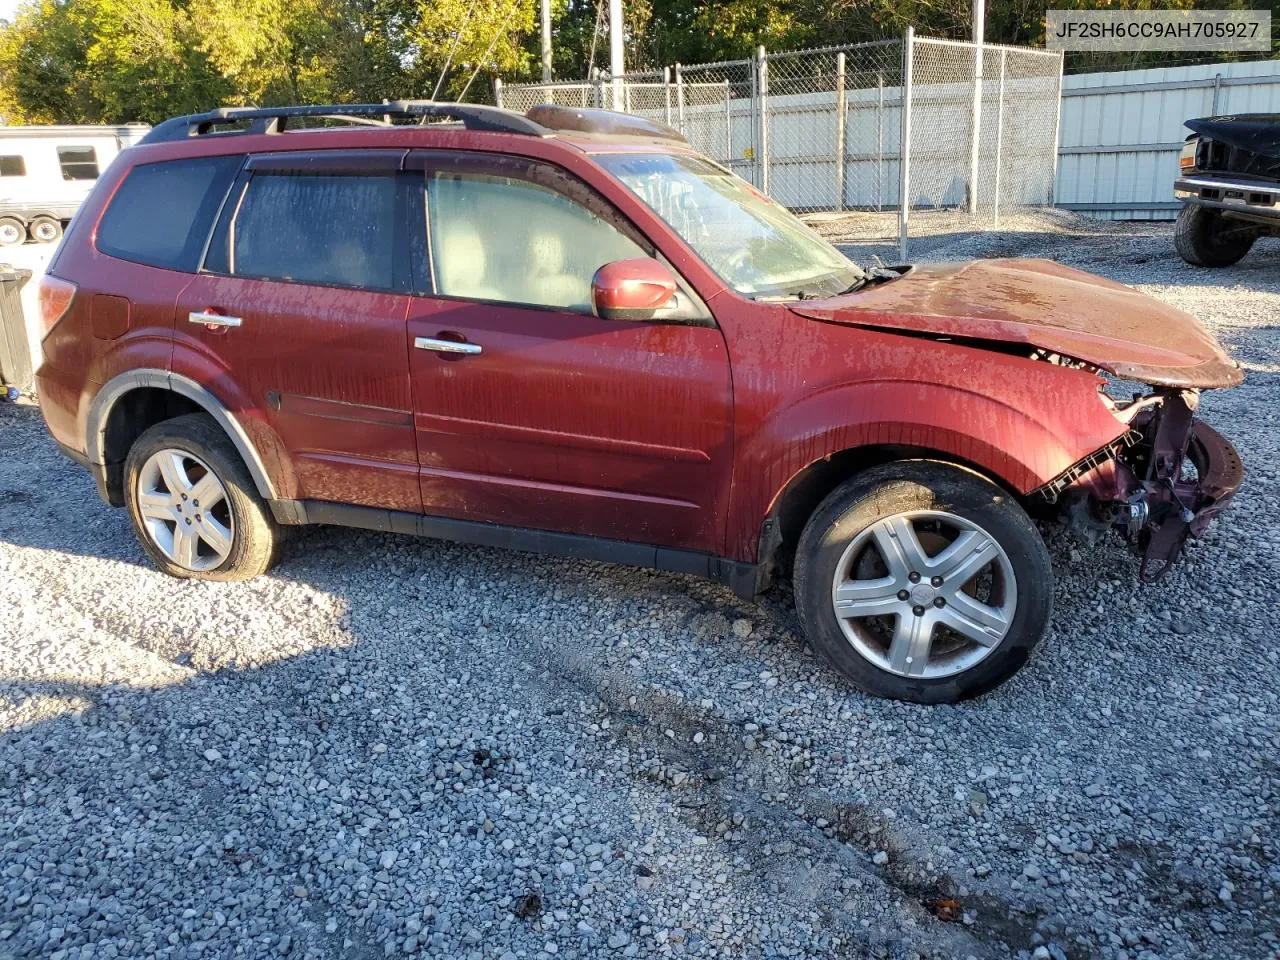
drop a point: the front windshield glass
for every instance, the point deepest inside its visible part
(756, 245)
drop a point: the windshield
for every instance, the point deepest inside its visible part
(756, 245)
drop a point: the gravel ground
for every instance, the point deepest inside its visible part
(392, 746)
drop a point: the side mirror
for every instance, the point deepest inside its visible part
(632, 289)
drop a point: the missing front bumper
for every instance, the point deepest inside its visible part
(1166, 480)
(1179, 506)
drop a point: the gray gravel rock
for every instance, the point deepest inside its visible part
(392, 747)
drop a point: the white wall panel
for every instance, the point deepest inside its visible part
(1101, 181)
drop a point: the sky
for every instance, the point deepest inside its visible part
(7, 7)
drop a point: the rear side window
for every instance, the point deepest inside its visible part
(162, 213)
(12, 167)
(333, 229)
(78, 163)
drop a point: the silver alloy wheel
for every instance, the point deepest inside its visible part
(185, 510)
(10, 234)
(924, 594)
(45, 231)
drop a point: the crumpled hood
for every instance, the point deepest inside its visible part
(1046, 305)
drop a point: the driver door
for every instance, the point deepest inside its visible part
(529, 410)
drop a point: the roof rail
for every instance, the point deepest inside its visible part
(274, 119)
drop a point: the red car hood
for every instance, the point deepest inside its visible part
(1043, 304)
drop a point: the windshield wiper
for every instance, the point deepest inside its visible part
(874, 275)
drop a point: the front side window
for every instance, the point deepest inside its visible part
(755, 245)
(512, 240)
(332, 229)
(13, 166)
(78, 163)
(161, 214)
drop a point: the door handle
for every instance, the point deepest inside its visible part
(447, 346)
(212, 319)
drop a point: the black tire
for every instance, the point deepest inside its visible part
(255, 535)
(896, 488)
(1205, 238)
(44, 230)
(13, 232)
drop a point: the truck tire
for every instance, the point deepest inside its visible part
(12, 232)
(1204, 238)
(923, 581)
(44, 229)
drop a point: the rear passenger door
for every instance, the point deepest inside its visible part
(299, 317)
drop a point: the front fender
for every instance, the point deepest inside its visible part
(1020, 445)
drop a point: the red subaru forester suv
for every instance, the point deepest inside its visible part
(566, 331)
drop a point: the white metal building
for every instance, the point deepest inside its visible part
(1121, 132)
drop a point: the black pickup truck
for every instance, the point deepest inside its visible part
(1229, 185)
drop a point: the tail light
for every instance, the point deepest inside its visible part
(55, 296)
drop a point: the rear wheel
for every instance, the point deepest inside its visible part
(45, 229)
(194, 507)
(922, 581)
(1205, 238)
(12, 232)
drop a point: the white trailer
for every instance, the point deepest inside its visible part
(46, 172)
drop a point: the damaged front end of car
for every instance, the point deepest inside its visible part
(1162, 481)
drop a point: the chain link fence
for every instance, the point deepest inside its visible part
(983, 132)
(823, 131)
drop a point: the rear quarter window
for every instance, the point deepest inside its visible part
(162, 213)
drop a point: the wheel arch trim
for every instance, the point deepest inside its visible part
(104, 402)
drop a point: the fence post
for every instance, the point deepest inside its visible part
(999, 139)
(1057, 122)
(762, 68)
(1217, 89)
(975, 127)
(904, 150)
(840, 122)
(680, 97)
(597, 85)
(666, 94)
(755, 126)
(879, 141)
(497, 91)
(728, 126)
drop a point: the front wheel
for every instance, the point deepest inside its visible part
(193, 505)
(1205, 238)
(922, 581)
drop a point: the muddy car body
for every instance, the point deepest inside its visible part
(701, 385)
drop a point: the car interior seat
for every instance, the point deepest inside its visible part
(462, 262)
(548, 280)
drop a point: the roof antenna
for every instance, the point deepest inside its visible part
(492, 43)
(453, 49)
(595, 35)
